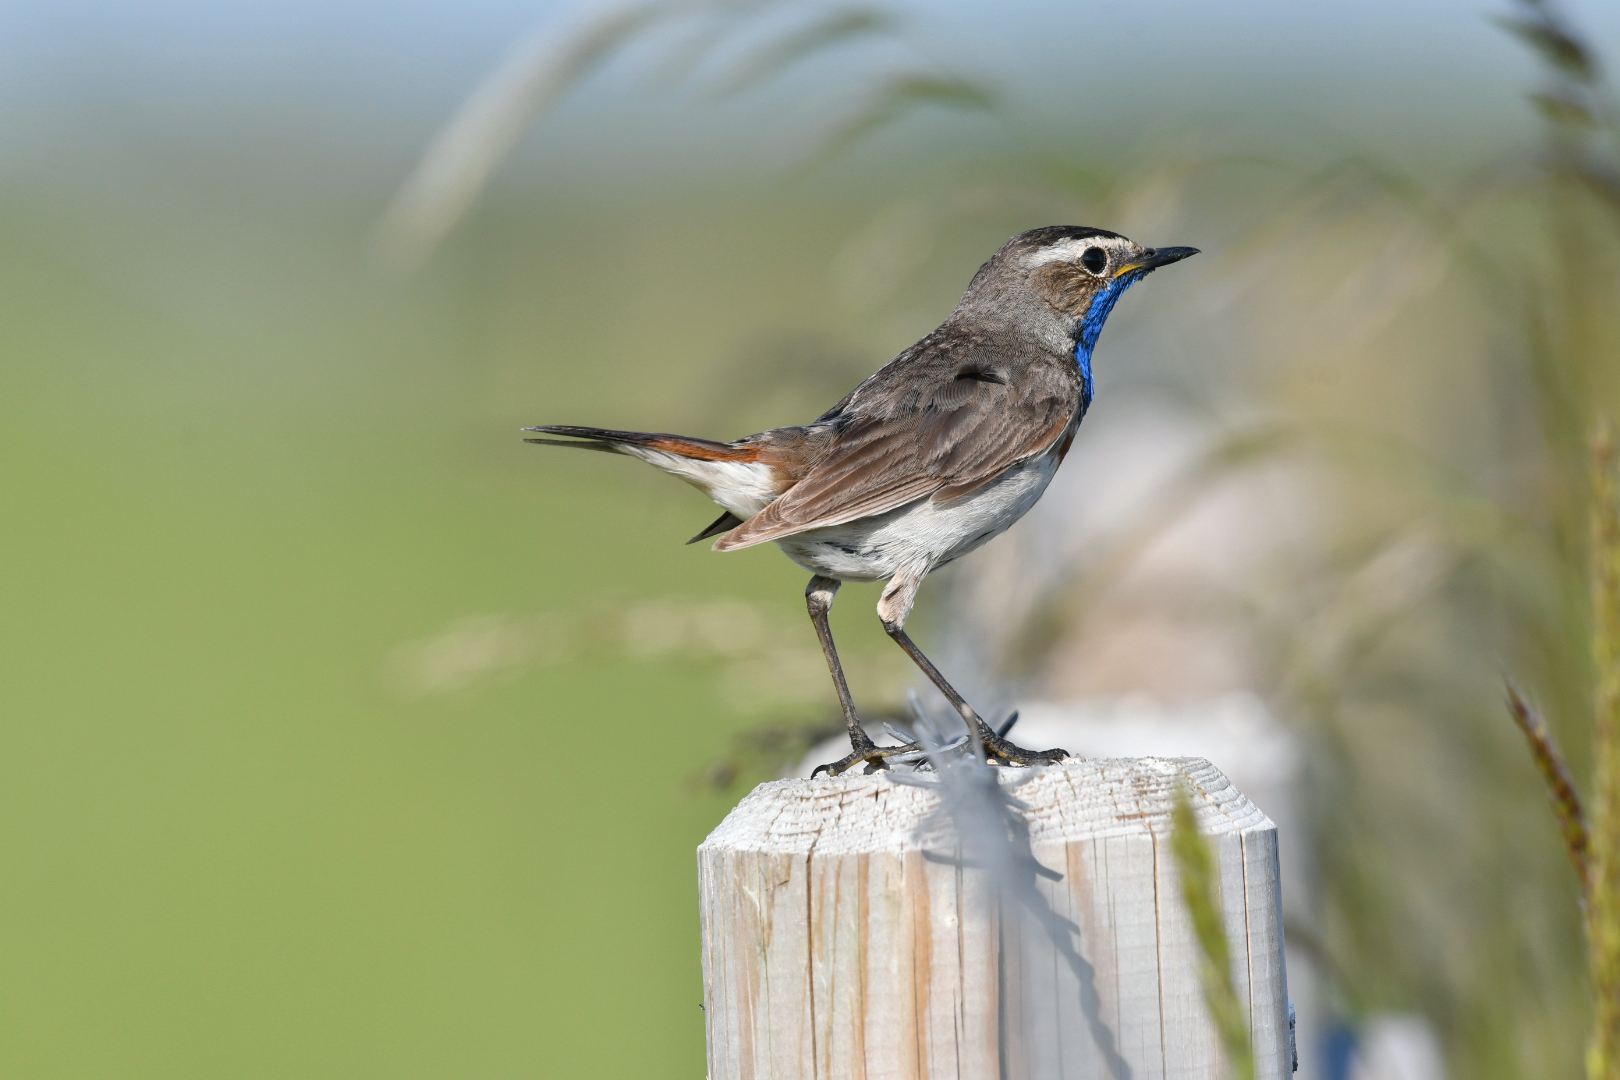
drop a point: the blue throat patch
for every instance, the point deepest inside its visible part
(1090, 329)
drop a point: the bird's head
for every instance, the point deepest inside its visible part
(1064, 277)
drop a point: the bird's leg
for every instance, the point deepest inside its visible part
(893, 608)
(818, 597)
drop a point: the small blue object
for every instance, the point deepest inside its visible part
(1338, 1050)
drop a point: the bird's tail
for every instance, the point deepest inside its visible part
(732, 474)
(642, 444)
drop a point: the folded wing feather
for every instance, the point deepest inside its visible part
(941, 431)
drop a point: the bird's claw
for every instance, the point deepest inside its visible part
(999, 750)
(867, 751)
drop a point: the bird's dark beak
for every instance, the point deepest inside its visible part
(1153, 258)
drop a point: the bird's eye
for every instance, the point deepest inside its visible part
(1093, 259)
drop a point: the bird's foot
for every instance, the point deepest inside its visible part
(864, 750)
(999, 751)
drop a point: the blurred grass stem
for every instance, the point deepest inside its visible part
(1566, 799)
(1200, 887)
(462, 157)
(1603, 907)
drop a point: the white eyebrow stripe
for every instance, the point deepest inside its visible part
(1067, 251)
(1070, 250)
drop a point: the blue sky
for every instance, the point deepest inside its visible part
(377, 77)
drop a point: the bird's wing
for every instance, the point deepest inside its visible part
(936, 429)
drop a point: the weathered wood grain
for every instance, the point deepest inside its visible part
(843, 938)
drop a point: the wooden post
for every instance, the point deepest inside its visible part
(844, 937)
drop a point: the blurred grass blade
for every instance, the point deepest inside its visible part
(1562, 108)
(1561, 789)
(833, 29)
(1603, 906)
(715, 21)
(1200, 887)
(898, 96)
(461, 158)
(1543, 29)
(1058, 608)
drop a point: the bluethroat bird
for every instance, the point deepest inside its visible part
(943, 449)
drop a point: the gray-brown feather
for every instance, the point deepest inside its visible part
(947, 415)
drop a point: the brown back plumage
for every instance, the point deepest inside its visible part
(949, 414)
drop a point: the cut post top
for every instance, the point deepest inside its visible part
(1078, 800)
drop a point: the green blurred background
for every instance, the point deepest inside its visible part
(336, 740)
(232, 493)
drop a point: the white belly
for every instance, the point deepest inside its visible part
(924, 534)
